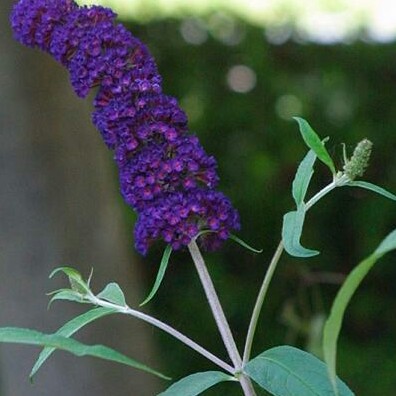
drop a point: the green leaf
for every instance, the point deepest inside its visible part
(291, 233)
(51, 293)
(68, 330)
(372, 187)
(388, 244)
(195, 384)
(113, 293)
(303, 177)
(288, 371)
(244, 244)
(33, 337)
(313, 141)
(77, 283)
(70, 272)
(333, 324)
(160, 274)
(69, 295)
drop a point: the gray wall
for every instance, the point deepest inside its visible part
(59, 205)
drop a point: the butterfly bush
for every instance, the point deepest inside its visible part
(165, 174)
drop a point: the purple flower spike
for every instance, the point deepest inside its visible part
(165, 174)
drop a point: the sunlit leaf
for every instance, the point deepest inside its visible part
(291, 234)
(372, 187)
(113, 293)
(197, 383)
(303, 177)
(244, 244)
(313, 141)
(33, 337)
(333, 324)
(288, 371)
(160, 275)
(68, 330)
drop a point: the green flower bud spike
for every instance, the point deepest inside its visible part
(356, 166)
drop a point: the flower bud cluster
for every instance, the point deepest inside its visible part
(165, 174)
(356, 166)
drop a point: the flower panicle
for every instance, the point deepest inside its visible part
(165, 174)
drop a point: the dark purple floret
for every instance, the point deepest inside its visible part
(33, 21)
(178, 217)
(128, 120)
(168, 167)
(165, 174)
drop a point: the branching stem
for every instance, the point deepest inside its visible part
(338, 181)
(164, 327)
(220, 317)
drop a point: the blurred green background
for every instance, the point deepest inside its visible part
(242, 70)
(240, 81)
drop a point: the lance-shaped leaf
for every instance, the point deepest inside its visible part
(68, 330)
(288, 371)
(313, 141)
(160, 274)
(303, 177)
(113, 293)
(291, 234)
(244, 244)
(233, 238)
(372, 187)
(197, 383)
(333, 324)
(32, 337)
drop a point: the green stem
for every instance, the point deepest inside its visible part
(338, 181)
(259, 303)
(164, 327)
(220, 318)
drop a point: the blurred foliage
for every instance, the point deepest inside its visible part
(346, 92)
(325, 21)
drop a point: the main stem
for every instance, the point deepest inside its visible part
(338, 181)
(220, 318)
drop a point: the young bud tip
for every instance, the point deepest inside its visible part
(356, 166)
